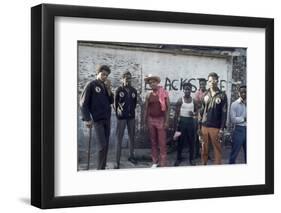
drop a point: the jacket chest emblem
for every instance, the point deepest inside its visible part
(98, 89)
(218, 100)
(133, 95)
(121, 94)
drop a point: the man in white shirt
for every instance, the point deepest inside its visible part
(184, 114)
(238, 115)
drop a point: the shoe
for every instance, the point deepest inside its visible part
(177, 163)
(154, 166)
(191, 162)
(132, 160)
(116, 166)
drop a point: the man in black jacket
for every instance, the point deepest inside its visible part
(95, 103)
(125, 101)
(213, 115)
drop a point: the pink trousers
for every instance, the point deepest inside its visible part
(157, 134)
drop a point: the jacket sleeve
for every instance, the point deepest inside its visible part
(111, 98)
(224, 112)
(233, 115)
(116, 99)
(136, 99)
(85, 102)
(201, 110)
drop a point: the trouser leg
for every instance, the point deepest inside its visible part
(245, 145)
(102, 143)
(107, 135)
(180, 147)
(121, 124)
(153, 139)
(181, 141)
(196, 139)
(131, 133)
(191, 139)
(205, 145)
(214, 133)
(162, 143)
(238, 140)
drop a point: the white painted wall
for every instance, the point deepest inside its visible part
(142, 63)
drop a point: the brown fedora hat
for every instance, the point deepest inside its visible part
(150, 77)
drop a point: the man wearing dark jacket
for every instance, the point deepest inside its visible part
(212, 119)
(95, 103)
(125, 101)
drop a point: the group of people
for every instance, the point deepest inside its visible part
(199, 121)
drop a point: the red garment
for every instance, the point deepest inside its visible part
(154, 106)
(163, 95)
(157, 134)
(199, 95)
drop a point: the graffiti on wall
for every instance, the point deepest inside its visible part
(177, 84)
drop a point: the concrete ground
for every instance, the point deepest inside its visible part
(143, 157)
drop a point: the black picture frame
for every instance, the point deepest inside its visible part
(43, 105)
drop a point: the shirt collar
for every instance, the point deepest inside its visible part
(240, 100)
(101, 83)
(126, 87)
(209, 92)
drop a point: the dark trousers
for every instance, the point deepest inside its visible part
(121, 125)
(186, 127)
(102, 129)
(196, 139)
(238, 141)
